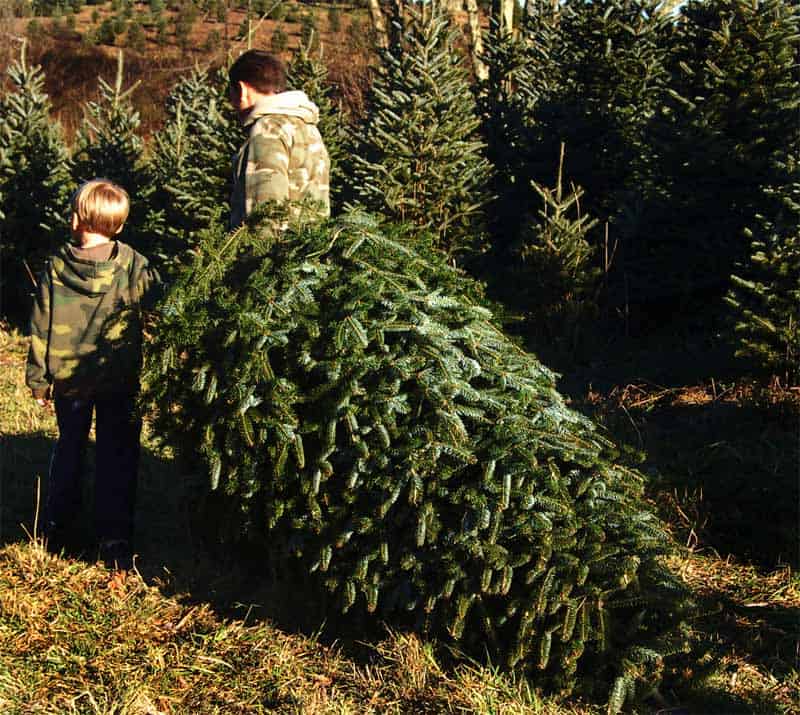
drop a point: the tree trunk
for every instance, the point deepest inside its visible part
(503, 12)
(379, 23)
(475, 40)
(507, 16)
(528, 9)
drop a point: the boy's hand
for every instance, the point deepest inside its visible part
(43, 400)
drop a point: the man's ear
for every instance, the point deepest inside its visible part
(119, 230)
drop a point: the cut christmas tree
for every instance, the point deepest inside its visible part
(352, 410)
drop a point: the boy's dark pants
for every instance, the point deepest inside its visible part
(118, 429)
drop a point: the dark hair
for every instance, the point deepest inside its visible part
(263, 71)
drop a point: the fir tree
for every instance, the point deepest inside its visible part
(352, 412)
(611, 84)
(109, 145)
(35, 184)
(184, 22)
(309, 35)
(334, 19)
(520, 72)
(190, 166)
(765, 295)
(279, 40)
(105, 32)
(592, 76)
(417, 156)
(557, 257)
(736, 94)
(136, 37)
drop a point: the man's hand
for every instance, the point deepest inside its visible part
(43, 402)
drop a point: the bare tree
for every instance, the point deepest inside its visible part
(507, 16)
(379, 23)
(475, 39)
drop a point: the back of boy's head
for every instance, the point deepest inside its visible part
(263, 71)
(101, 207)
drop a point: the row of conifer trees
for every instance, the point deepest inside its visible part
(659, 150)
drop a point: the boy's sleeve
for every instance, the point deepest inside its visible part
(36, 376)
(267, 174)
(149, 287)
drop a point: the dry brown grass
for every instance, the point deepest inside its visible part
(72, 632)
(75, 638)
(723, 460)
(747, 635)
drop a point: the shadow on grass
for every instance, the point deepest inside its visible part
(724, 473)
(25, 461)
(171, 551)
(719, 701)
(732, 639)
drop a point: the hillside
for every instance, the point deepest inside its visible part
(161, 42)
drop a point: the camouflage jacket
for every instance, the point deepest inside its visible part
(85, 324)
(284, 157)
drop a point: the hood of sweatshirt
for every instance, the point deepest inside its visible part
(91, 278)
(292, 104)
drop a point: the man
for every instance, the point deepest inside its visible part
(284, 157)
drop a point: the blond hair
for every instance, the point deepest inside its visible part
(101, 207)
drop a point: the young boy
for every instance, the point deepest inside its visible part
(86, 350)
(284, 157)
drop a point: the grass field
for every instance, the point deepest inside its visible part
(190, 633)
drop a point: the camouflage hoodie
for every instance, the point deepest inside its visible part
(85, 324)
(284, 157)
